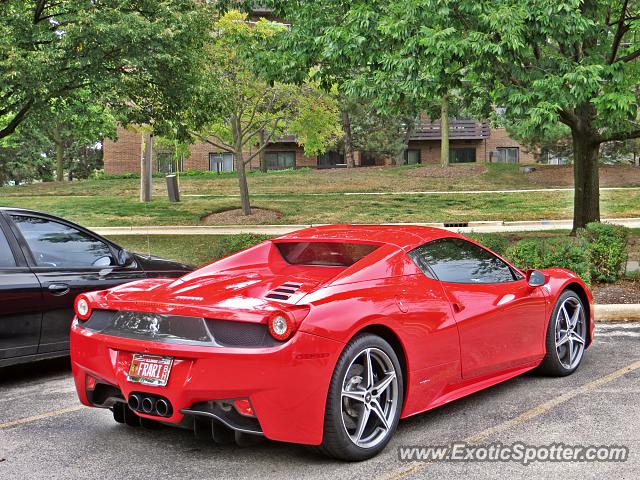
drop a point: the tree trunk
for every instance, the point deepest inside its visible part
(242, 179)
(444, 132)
(145, 167)
(586, 203)
(348, 140)
(59, 144)
(402, 157)
(262, 156)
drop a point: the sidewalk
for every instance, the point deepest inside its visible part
(477, 227)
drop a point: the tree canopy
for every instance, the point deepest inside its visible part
(545, 62)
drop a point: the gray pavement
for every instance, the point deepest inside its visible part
(596, 405)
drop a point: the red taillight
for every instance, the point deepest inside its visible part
(82, 307)
(243, 406)
(281, 326)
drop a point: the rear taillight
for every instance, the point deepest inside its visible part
(281, 326)
(83, 307)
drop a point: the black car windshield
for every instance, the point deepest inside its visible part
(324, 253)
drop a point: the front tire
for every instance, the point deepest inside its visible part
(364, 401)
(566, 336)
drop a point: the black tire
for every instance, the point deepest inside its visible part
(336, 441)
(551, 364)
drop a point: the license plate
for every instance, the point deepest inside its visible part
(150, 369)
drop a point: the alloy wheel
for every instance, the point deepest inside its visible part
(369, 398)
(571, 331)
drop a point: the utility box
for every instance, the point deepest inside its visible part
(172, 188)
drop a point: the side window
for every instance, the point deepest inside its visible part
(457, 261)
(6, 255)
(54, 244)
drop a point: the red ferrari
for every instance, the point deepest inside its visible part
(327, 336)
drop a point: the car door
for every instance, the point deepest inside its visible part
(67, 261)
(501, 319)
(20, 300)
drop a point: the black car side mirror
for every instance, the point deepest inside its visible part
(536, 278)
(124, 258)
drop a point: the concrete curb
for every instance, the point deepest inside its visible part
(472, 226)
(617, 312)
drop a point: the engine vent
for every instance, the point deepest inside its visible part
(284, 291)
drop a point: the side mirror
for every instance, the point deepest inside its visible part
(124, 258)
(536, 278)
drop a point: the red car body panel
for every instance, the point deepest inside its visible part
(452, 339)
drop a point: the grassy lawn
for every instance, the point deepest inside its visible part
(372, 179)
(114, 202)
(296, 209)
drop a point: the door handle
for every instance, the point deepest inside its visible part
(58, 289)
(457, 307)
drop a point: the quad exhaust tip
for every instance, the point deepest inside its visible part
(149, 404)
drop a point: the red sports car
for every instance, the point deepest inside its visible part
(326, 336)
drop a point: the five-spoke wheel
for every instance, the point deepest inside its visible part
(567, 336)
(365, 399)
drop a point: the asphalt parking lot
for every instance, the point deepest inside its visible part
(44, 433)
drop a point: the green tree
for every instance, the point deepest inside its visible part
(547, 62)
(234, 108)
(134, 53)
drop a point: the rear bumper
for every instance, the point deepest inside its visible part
(286, 385)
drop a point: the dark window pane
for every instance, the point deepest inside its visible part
(462, 155)
(412, 157)
(280, 160)
(6, 256)
(507, 155)
(458, 261)
(324, 253)
(56, 245)
(221, 162)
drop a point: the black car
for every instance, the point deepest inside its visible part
(45, 262)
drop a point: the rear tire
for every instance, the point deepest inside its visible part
(364, 401)
(567, 335)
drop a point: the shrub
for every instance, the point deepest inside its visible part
(525, 254)
(232, 243)
(607, 250)
(565, 252)
(493, 241)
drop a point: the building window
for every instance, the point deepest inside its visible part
(411, 157)
(167, 163)
(507, 155)
(280, 160)
(462, 155)
(336, 159)
(221, 162)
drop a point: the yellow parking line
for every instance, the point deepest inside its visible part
(522, 418)
(55, 413)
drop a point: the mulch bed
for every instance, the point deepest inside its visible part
(623, 291)
(235, 217)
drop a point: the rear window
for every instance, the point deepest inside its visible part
(324, 253)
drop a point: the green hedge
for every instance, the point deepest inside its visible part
(598, 253)
(566, 252)
(493, 241)
(607, 250)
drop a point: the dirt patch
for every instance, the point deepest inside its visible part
(624, 291)
(456, 171)
(235, 217)
(562, 176)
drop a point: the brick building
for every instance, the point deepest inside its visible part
(469, 141)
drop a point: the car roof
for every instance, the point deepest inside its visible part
(405, 237)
